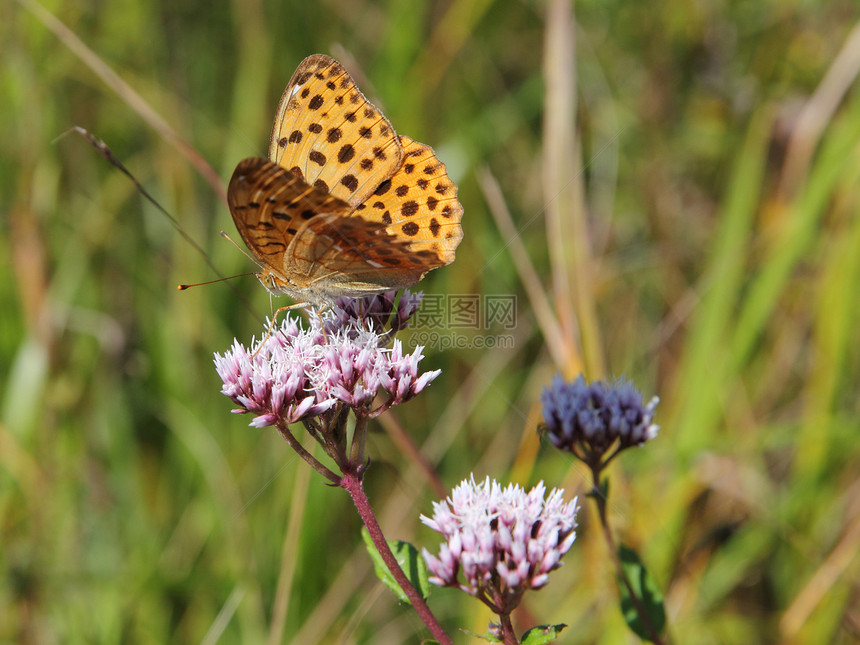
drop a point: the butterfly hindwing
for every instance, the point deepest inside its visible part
(357, 255)
(419, 204)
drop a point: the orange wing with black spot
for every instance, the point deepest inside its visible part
(330, 135)
(344, 206)
(419, 205)
(270, 205)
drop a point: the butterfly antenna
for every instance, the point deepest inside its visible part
(243, 251)
(183, 287)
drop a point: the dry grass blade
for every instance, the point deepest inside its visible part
(106, 152)
(816, 590)
(398, 435)
(451, 34)
(818, 112)
(562, 350)
(567, 230)
(288, 565)
(134, 100)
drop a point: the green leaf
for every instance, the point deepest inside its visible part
(410, 561)
(542, 634)
(647, 593)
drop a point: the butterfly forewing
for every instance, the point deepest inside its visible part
(270, 206)
(330, 135)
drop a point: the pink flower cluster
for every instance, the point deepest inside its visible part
(502, 540)
(297, 373)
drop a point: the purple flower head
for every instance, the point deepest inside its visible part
(500, 542)
(590, 419)
(296, 373)
(378, 313)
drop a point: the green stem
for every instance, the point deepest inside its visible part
(599, 496)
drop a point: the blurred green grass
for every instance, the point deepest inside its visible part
(721, 180)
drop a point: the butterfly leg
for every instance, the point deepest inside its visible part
(297, 305)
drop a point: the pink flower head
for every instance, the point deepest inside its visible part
(297, 373)
(500, 541)
(273, 381)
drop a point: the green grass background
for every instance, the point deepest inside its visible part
(712, 244)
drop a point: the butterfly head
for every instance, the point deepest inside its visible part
(279, 284)
(276, 284)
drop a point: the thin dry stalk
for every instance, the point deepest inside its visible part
(817, 113)
(289, 550)
(563, 353)
(567, 228)
(134, 100)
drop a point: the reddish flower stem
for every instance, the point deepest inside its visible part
(352, 484)
(509, 636)
(284, 430)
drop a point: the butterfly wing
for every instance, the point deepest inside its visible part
(330, 135)
(419, 205)
(410, 225)
(270, 205)
(343, 206)
(352, 256)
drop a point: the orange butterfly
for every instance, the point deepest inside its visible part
(343, 206)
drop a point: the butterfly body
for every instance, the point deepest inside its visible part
(343, 206)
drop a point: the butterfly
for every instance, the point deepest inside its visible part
(343, 206)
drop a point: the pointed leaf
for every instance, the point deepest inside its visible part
(646, 591)
(542, 634)
(408, 558)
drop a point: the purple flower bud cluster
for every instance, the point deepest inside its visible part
(297, 373)
(588, 419)
(501, 541)
(379, 313)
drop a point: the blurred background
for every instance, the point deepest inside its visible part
(699, 235)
